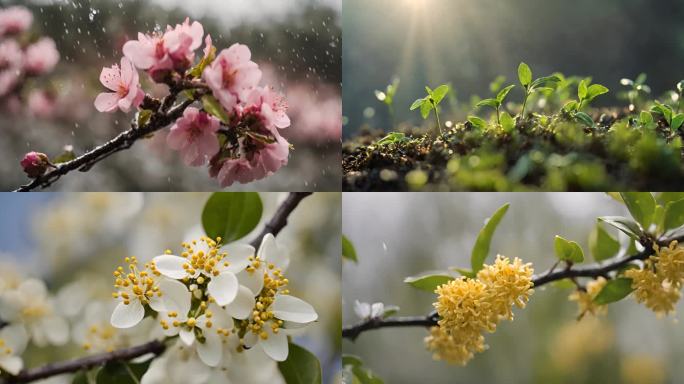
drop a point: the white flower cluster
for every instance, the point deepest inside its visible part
(223, 302)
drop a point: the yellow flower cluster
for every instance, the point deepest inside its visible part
(468, 307)
(585, 299)
(658, 284)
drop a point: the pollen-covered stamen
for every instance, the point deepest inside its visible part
(4, 348)
(136, 284)
(206, 259)
(101, 337)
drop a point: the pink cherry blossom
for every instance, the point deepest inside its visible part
(9, 78)
(232, 75)
(41, 57)
(182, 41)
(125, 83)
(194, 135)
(11, 55)
(208, 47)
(148, 53)
(15, 20)
(272, 107)
(35, 164)
(271, 157)
(234, 170)
(42, 104)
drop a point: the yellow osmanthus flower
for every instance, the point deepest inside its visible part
(468, 307)
(585, 299)
(577, 343)
(658, 284)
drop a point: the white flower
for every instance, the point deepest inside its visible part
(202, 260)
(274, 310)
(135, 289)
(13, 340)
(30, 306)
(368, 311)
(204, 327)
(178, 365)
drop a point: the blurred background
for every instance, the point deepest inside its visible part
(296, 42)
(74, 241)
(403, 234)
(469, 43)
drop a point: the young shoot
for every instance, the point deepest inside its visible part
(636, 88)
(431, 102)
(585, 93)
(496, 102)
(674, 120)
(530, 86)
(387, 97)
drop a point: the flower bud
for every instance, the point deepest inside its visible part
(35, 164)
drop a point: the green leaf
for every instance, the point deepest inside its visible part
(393, 137)
(214, 108)
(543, 80)
(197, 70)
(439, 93)
(300, 367)
(116, 372)
(664, 110)
(80, 378)
(674, 214)
(348, 250)
(477, 122)
(582, 89)
(645, 118)
(65, 156)
(428, 282)
(665, 197)
(641, 205)
(355, 373)
(488, 103)
(614, 290)
(143, 117)
(390, 310)
(677, 121)
(601, 244)
(418, 103)
(524, 74)
(596, 90)
(464, 272)
(501, 96)
(484, 239)
(507, 122)
(570, 106)
(567, 250)
(629, 227)
(231, 215)
(425, 110)
(585, 119)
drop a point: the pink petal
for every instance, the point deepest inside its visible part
(176, 138)
(106, 102)
(139, 53)
(111, 78)
(126, 71)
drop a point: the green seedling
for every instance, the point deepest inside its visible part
(496, 102)
(387, 97)
(674, 120)
(637, 87)
(393, 138)
(531, 86)
(431, 103)
(586, 92)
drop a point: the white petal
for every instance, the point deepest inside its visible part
(15, 337)
(219, 319)
(171, 266)
(377, 309)
(272, 253)
(254, 280)
(11, 364)
(187, 336)
(156, 373)
(243, 304)
(33, 288)
(238, 256)
(127, 316)
(250, 340)
(223, 288)
(290, 308)
(276, 345)
(56, 330)
(362, 310)
(157, 304)
(211, 351)
(175, 296)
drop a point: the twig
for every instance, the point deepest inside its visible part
(595, 270)
(274, 226)
(155, 347)
(160, 119)
(279, 219)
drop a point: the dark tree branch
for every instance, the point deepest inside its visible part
(161, 118)
(594, 270)
(155, 347)
(274, 226)
(279, 219)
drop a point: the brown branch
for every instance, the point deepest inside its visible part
(595, 270)
(274, 226)
(279, 219)
(160, 119)
(155, 347)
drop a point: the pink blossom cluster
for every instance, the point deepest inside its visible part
(241, 144)
(317, 114)
(19, 60)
